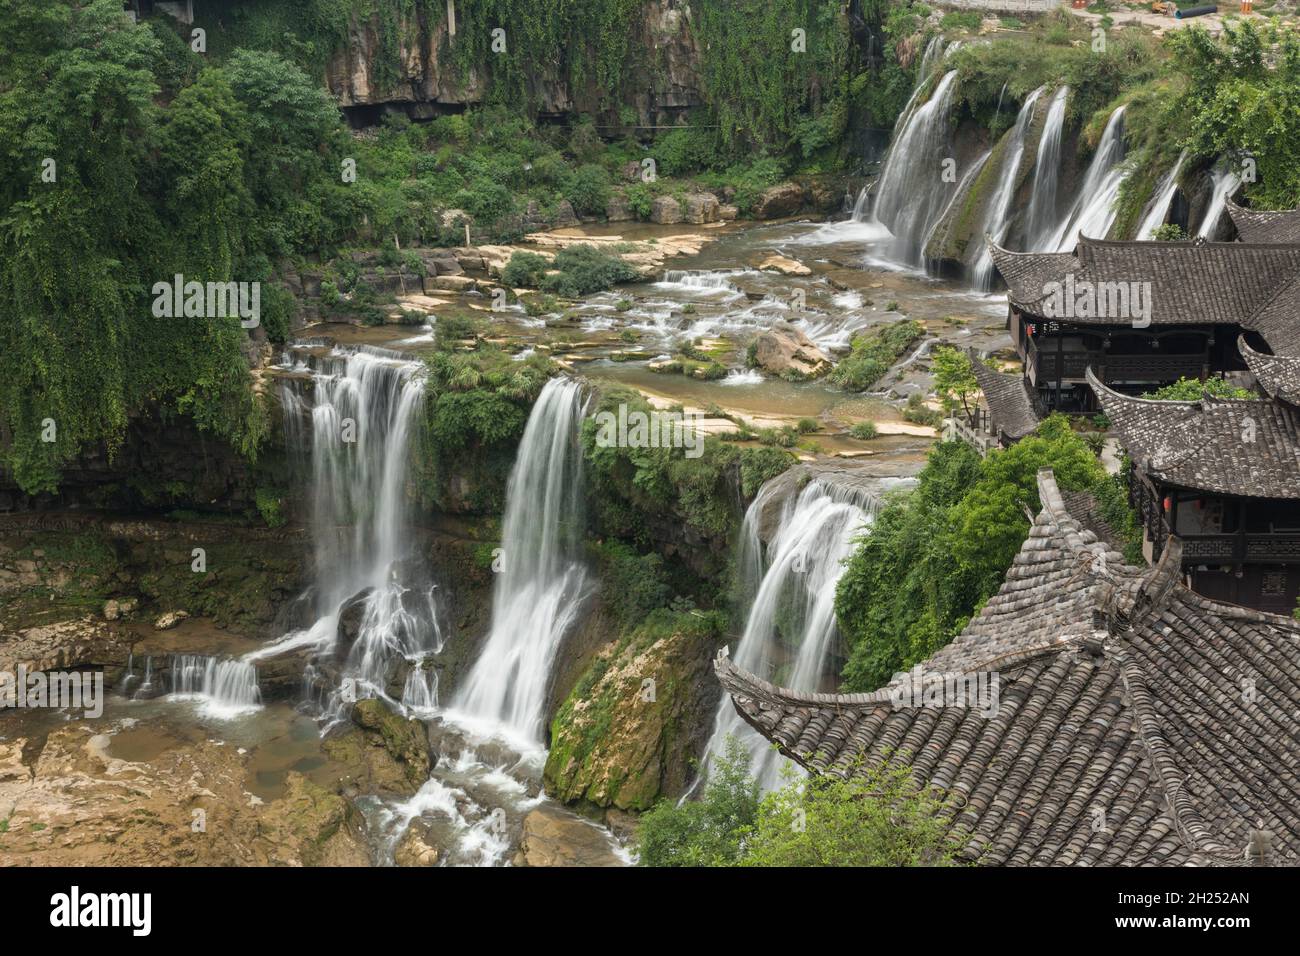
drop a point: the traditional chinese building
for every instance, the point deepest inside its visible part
(1136, 722)
(1265, 225)
(1142, 315)
(1222, 475)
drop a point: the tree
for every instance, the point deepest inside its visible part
(876, 817)
(954, 381)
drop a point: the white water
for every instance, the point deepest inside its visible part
(911, 194)
(1047, 173)
(1226, 181)
(361, 407)
(996, 216)
(1093, 210)
(793, 586)
(227, 687)
(1158, 209)
(538, 593)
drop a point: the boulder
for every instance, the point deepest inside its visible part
(701, 208)
(404, 739)
(116, 608)
(350, 617)
(617, 208)
(170, 619)
(783, 199)
(787, 267)
(555, 837)
(726, 213)
(666, 211)
(416, 847)
(785, 351)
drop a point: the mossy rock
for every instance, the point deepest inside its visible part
(404, 739)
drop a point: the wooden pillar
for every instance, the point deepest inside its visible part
(1060, 364)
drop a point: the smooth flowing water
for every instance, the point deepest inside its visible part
(913, 191)
(790, 631)
(539, 590)
(1042, 216)
(997, 217)
(1093, 211)
(374, 605)
(226, 687)
(1158, 209)
(1226, 182)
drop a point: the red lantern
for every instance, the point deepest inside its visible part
(1168, 503)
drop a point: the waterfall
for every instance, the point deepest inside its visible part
(420, 694)
(1154, 216)
(790, 632)
(1226, 182)
(1047, 173)
(539, 591)
(910, 195)
(227, 687)
(373, 605)
(1093, 211)
(996, 216)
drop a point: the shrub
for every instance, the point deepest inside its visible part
(588, 189)
(864, 430)
(525, 270)
(584, 269)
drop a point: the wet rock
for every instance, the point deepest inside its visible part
(83, 642)
(786, 266)
(783, 199)
(554, 837)
(170, 619)
(80, 806)
(701, 208)
(786, 351)
(404, 739)
(351, 615)
(666, 210)
(416, 848)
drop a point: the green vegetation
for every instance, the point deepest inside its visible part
(576, 270)
(873, 353)
(937, 552)
(1195, 389)
(875, 818)
(476, 407)
(954, 381)
(864, 430)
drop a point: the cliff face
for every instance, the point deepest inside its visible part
(662, 80)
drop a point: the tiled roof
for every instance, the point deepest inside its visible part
(1192, 283)
(1278, 375)
(1011, 407)
(1137, 723)
(1246, 447)
(1265, 225)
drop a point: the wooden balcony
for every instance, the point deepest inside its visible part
(1042, 365)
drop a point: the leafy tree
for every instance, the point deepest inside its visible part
(933, 555)
(707, 832)
(954, 381)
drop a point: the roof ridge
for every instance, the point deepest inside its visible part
(1188, 822)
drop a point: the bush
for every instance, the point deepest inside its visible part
(864, 430)
(525, 270)
(873, 353)
(587, 188)
(758, 465)
(584, 269)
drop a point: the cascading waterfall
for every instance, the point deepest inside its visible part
(362, 407)
(910, 195)
(1154, 216)
(538, 593)
(1093, 211)
(997, 214)
(790, 631)
(1047, 174)
(227, 687)
(1226, 182)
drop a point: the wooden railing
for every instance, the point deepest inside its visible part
(1110, 367)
